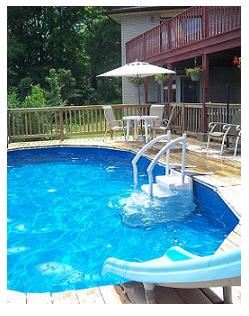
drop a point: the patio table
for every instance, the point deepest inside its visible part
(146, 118)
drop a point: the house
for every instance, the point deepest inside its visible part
(183, 37)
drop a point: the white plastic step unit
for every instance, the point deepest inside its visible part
(158, 190)
(174, 182)
(170, 185)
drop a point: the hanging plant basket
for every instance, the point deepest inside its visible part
(161, 78)
(194, 73)
(195, 76)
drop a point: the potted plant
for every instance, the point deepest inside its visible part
(194, 73)
(161, 78)
(237, 61)
(137, 81)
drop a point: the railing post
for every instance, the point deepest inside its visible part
(143, 47)
(8, 128)
(183, 117)
(170, 92)
(61, 125)
(205, 21)
(169, 35)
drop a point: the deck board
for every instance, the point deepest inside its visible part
(109, 294)
(39, 298)
(16, 297)
(92, 295)
(67, 297)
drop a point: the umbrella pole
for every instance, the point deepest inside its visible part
(140, 109)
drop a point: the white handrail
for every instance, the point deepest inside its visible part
(144, 148)
(166, 149)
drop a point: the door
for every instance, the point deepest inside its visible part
(190, 90)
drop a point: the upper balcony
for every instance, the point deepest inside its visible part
(192, 26)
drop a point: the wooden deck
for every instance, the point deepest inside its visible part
(220, 172)
(133, 294)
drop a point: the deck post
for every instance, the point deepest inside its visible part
(205, 22)
(205, 79)
(170, 94)
(227, 295)
(61, 125)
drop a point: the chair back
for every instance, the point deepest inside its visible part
(110, 117)
(157, 110)
(236, 120)
(172, 116)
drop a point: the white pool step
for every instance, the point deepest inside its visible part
(174, 182)
(169, 185)
(158, 191)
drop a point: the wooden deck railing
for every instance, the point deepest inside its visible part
(189, 116)
(192, 25)
(60, 122)
(36, 123)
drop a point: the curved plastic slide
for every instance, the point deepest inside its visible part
(181, 269)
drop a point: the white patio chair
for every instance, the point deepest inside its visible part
(238, 139)
(112, 125)
(161, 125)
(224, 132)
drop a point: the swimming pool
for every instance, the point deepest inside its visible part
(71, 208)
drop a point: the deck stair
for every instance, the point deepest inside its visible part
(172, 182)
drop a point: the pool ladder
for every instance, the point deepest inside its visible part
(172, 182)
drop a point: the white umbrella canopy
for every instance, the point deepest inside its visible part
(137, 69)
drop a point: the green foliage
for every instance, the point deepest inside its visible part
(13, 100)
(24, 87)
(136, 80)
(161, 77)
(79, 42)
(67, 82)
(54, 96)
(196, 70)
(36, 99)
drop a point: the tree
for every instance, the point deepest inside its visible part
(103, 45)
(53, 96)
(13, 100)
(82, 40)
(37, 98)
(68, 83)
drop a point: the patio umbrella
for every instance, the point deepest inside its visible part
(137, 69)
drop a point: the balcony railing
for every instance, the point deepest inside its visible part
(61, 122)
(192, 25)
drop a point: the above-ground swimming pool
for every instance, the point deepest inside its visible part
(69, 209)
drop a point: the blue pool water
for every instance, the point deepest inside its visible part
(71, 208)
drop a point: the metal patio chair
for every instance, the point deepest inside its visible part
(224, 132)
(238, 139)
(112, 125)
(160, 125)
